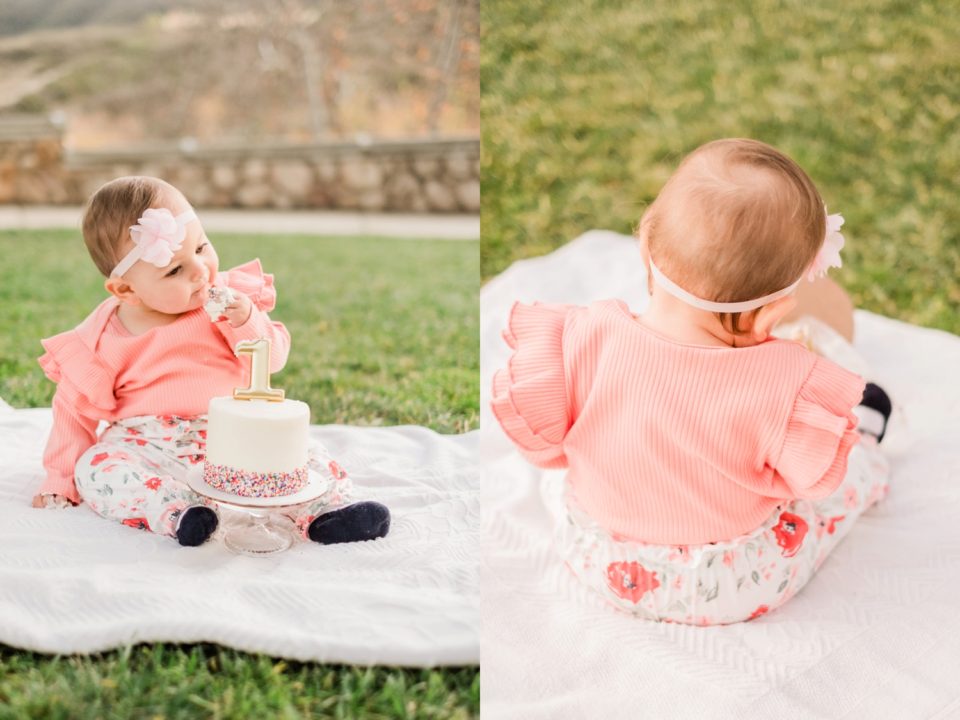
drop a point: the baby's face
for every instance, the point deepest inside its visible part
(180, 286)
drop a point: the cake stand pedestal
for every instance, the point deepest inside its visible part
(260, 533)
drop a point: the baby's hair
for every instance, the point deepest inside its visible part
(112, 210)
(737, 220)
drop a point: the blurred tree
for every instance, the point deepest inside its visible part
(448, 59)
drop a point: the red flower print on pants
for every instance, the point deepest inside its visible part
(832, 525)
(338, 472)
(153, 483)
(828, 525)
(630, 580)
(758, 612)
(790, 532)
(98, 458)
(139, 523)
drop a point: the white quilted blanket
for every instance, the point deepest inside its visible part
(875, 635)
(72, 582)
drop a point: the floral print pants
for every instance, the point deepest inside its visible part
(135, 474)
(743, 578)
(724, 582)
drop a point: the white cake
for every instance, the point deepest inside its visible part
(257, 448)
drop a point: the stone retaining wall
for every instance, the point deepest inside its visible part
(441, 176)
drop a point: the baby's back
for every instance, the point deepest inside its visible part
(671, 443)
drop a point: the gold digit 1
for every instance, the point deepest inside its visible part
(259, 352)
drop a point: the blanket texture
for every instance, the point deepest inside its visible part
(876, 634)
(73, 582)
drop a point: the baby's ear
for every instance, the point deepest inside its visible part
(121, 290)
(769, 315)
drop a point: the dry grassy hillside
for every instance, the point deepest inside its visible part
(248, 70)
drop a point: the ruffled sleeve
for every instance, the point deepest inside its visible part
(79, 374)
(252, 281)
(820, 433)
(258, 286)
(530, 395)
(84, 396)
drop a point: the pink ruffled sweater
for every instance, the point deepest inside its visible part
(105, 373)
(669, 443)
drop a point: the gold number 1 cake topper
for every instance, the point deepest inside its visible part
(259, 352)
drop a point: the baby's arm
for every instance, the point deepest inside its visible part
(246, 322)
(809, 461)
(529, 395)
(70, 436)
(825, 300)
(246, 315)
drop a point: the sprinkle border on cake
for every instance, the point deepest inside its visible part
(255, 484)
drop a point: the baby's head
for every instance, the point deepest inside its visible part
(112, 210)
(166, 263)
(738, 220)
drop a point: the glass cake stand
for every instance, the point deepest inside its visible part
(260, 533)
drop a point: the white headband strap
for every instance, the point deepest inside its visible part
(727, 307)
(140, 246)
(827, 257)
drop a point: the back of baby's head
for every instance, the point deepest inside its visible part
(737, 220)
(112, 210)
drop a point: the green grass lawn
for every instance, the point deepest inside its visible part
(588, 106)
(207, 681)
(384, 332)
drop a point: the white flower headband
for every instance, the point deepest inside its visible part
(156, 236)
(829, 256)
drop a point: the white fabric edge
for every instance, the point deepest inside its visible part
(21, 627)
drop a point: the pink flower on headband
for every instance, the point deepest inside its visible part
(829, 255)
(159, 236)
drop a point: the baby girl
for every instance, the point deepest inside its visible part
(148, 360)
(711, 467)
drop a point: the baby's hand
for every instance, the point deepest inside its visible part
(238, 312)
(51, 500)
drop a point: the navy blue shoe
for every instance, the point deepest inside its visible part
(196, 525)
(353, 523)
(875, 398)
